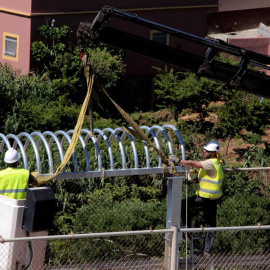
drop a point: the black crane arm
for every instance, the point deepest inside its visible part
(240, 76)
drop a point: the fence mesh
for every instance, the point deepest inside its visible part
(22, 255)
(131, 252)
(121, 252)
(233, 250)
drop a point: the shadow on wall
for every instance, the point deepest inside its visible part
(135, 94)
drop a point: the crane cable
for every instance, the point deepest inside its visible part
(137, 132)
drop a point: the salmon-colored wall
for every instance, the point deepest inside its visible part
(188, 19)
(17, 26)
(260, 45)
(15, 5)
(229, 5)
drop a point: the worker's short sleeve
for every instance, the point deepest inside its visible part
(208, 165)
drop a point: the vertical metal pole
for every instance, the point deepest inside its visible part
(174, 200)
(174, 249)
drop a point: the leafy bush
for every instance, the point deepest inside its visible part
(35, 114)
(242, 111)
(179, 91)
(14, 88)
(102, 214)
(243, 209)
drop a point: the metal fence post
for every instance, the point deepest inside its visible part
(174, 200)
(174, 249)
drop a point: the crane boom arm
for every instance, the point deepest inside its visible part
(240, 76)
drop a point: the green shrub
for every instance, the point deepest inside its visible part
(102, 214)
(243, 209)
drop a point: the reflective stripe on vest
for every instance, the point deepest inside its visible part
(14, 182)
(209, 187)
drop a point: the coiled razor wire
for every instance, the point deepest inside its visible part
(88, 159)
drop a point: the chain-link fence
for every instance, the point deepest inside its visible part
(234, 248)
(245, 203)
(121, 250)
(151, 250)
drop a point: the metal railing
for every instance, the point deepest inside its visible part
(95, 152)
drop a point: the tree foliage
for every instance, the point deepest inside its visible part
(17, 93)
(60, 59)
(180, 91)
(244, 209)
(37, 115)
(50, 97)
(242, 111)
(184, 93)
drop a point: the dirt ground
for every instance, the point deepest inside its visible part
(237, 146)
(232, 152)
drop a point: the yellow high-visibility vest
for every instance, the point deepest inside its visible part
(14, 182)
(209, 187)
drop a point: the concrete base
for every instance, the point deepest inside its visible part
(17, 255)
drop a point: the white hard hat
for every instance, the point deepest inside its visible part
(11, 156)
(212, 146)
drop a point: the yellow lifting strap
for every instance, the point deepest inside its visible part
(90, 80)
(137, 132)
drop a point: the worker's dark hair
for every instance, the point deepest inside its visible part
(12, 165)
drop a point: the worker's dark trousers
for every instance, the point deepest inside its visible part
(210, 214)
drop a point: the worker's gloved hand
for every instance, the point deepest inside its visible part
(174, 159)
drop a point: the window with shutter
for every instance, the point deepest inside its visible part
(159, 37)
(10, 46)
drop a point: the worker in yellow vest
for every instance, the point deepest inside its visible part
(209, 192)
(14, 180)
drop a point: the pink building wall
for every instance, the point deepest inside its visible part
(229, 5)
(21, 27)
(29, 15)
(24, 17)
(24, 6)
(260, 45)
